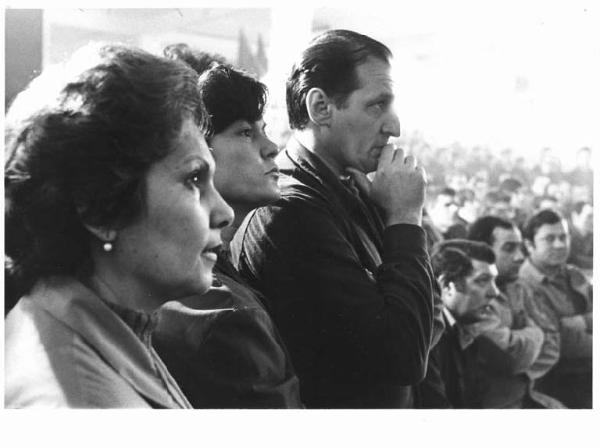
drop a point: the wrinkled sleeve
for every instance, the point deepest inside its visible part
(377, 325)
(522, 346)
(576, 339)
(545, 319)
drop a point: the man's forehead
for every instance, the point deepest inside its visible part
(375, 73)
(483, 268)
(555, 228)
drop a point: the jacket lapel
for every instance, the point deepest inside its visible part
(79, 308)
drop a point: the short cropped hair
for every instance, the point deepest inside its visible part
(496, 196)
(483, 228)
(510, 185)
(200, 61)
(329, 63)
(79, 152)
(230, 95)
(451, 259)
(539, 219)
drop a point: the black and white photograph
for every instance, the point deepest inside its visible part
(376, 216)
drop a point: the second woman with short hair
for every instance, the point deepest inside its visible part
(222, 347)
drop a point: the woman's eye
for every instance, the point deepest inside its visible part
(246, 133)
(196, 179)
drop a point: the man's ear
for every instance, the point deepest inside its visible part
(460, 285)
(319, 107)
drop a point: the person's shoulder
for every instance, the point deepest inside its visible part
(575, 271)
(46, 361)
(519, 289)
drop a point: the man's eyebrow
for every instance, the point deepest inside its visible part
(388, 96)
(483, 276)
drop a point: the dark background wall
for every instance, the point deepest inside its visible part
(23, 49)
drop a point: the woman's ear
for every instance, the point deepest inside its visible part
(318, 106)
(104, 234)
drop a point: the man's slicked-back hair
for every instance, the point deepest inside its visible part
(483, 228)
(540, 218)
(451, 259)
(329, 63)
(200, 61)
(230, 95)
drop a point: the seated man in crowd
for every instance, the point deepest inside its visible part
(581, 226)
(530, 351)
(443, 210)
(564, 294)
(546, 202)
(518, 199)
(498, 203)
(475, 367)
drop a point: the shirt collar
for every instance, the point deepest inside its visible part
(531, 271)
(464, 338)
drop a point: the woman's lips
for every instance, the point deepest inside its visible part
(210, 255)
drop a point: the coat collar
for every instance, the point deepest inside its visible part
(78, 307)
(531, 272)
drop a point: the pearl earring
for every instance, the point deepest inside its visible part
(108, 246)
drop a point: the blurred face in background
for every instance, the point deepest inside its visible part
(444, 211)
(507, 248)
(550, 245)
(584, 221)
(502, 209)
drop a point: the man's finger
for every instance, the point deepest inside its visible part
(421, 170)
(387, 155)
(410, 162)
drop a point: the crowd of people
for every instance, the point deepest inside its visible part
(163, 252)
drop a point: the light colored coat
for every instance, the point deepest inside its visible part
(65, 347)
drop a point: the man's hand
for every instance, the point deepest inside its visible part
(398, 186)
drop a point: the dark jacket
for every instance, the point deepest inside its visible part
(352, 299)
(223, 349)
(477, 371)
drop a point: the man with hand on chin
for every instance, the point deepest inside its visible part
(341, 260)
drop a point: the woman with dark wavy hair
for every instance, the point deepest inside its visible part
(111, 212)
